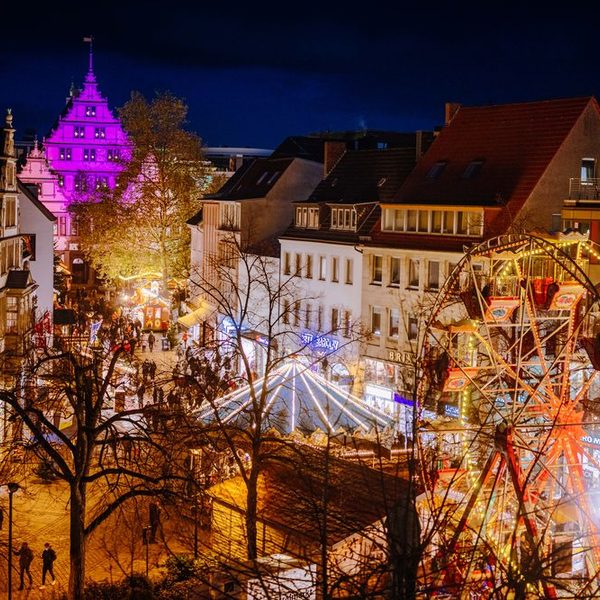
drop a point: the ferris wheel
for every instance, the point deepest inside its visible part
(507, 408)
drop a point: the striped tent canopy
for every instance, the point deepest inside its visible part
(298, 401)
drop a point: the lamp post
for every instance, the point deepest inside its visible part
(12, 488)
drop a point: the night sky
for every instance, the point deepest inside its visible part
(256, 72)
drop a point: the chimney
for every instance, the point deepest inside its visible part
(332, 152)
(451, 109)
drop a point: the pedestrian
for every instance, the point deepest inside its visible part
(152, 370)
(48, 558)
(25, 557)
(151, 340)
(154, 510)
(140, 394)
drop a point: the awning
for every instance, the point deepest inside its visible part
(197, 316)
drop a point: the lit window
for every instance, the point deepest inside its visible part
(394, 323)
(112, 154)
(423, 220)
(433, 275)
(413, 328)
(436, 170)
(79, 132)
(61, 181)
(436, 221)
(413, 273)
(335, 319)
(376, 320)
(313, 218)
(377, 272)
(89, 154)
(90, 111)
(349, 270)
(395, 271)
(411, 221)
(101, 183)
(65, 154)
(588, 168)
(322, 268)
(100, 133)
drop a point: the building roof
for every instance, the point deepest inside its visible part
(18, 279)
(513, 144)
(254, 179)
(292, 487)
(196, 219)
(30, 190)
(366, 176)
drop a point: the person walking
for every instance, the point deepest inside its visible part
(48, 558)
(25, 558)
(151, 340)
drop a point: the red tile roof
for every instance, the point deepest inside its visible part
(516, 143)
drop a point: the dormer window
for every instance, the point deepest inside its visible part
(473, 169)
(90, 111)
(343, 218)
(437, 169)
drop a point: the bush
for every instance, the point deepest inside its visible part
(137, 587)
(180, 567)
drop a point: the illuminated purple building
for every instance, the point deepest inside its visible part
(87, 144)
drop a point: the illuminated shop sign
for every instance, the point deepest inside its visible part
(591, 439)
(319, 342)
(451, 411)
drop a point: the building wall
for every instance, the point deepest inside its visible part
(42, 266)
(319, 292)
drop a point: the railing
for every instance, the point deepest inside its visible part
(583, 190)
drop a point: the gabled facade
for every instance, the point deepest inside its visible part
(322, 252)
(87, 144)
(491, 170)
(248, 213)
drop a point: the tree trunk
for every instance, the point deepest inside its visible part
(251, 509)
(77, 548)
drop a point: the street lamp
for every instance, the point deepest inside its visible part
(12, 488)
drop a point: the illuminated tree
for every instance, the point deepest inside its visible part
(140, 227)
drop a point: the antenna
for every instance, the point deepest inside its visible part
(90, 40)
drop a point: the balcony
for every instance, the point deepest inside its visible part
(583, 191)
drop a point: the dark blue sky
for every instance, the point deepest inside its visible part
(254, 73)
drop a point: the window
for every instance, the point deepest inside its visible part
(12, 313)
(262, 178)
(80, 183)
(99, 133)
(286, 311)
(10, 212)
(413, 273)
(381, 145)
(320, 319)
(322, 268)
(349, 270)
(473, 169)
(335, 319)
(90, 111)
(413, 328)
(62, 225)
(376, 320)
(462, 226)
(377, 272)
(309, 266)
(411, 220)
(74, 226)
(347, 323)
(343, 218)
(334, 268)
(112, 154)
(89, 154)
(417, 220)
(61, 181)
(79, 132)
(433, 275)
(307, 311)
(313, 218)
(64, 154)
(436, 221)
(588, 168)
(448, 222)
(101, 183)
(394, 323)
(297, 314)
(273, 177)
(298, 272)
(395, 271)
(423, 221)
(436, 170)
(301, 216)
(287, 264)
